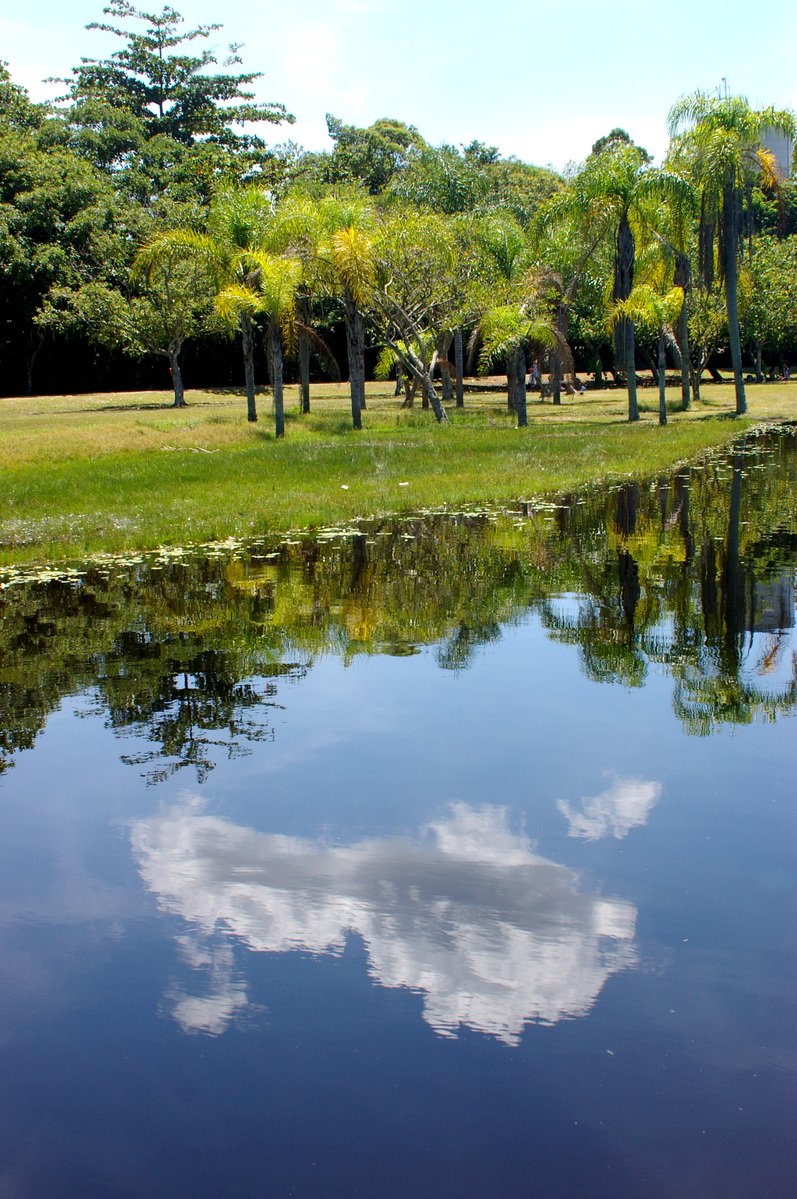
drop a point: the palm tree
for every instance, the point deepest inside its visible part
(607, 197)
(334, 237)
(237, 221)
(271, 289)
(651, 308)
(507, 330)
(722, 145)
(505, 260)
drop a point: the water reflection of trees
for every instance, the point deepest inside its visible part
(694, 573)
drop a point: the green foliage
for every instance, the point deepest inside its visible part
(164, 88)
(369, 157)
(768, 295)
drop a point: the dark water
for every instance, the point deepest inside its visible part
(446, 857)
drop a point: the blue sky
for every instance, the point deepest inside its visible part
(540, 81)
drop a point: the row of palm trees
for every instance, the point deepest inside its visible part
(418, 279)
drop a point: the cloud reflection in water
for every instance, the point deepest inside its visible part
(492, 935)
(623, 806)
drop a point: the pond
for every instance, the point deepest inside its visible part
(441, 856)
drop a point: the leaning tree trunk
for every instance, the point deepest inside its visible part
(177, 378)
(459, 368)
(731, 230)
(433, 398)
(355, 346)
(422, 372)
(443, 350)
(662, 373)
(248, 342)
(276, 379)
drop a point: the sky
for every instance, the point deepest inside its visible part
(540, 81)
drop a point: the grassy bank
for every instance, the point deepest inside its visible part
(126, 471)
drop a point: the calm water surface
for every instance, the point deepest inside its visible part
(451, 856)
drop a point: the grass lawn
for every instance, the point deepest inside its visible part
(120, 472)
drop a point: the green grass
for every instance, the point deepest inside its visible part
(122, 472)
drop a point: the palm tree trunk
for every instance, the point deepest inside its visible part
(520, 403)
(625, 253)
(662, 379)
(732, 293)
(459, 364)
(630, 370)
(247, 340)
(276, 379)
(511, 381)
(355, 347)
(555, 377)
(304, 371)
(683, 272)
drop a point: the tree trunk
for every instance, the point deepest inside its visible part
(177, 378)
(697, 374)
(683, 278)
(732, 578)
(520, 403)
(630, 591)
(431, 396)
(623, 283)
(304, 371)
(276, 379)
(410, 388)
(630, 368)
(662, 379)
(625, 516)
(355, 347)
(443, 350)
(759, 374)
(32, 347)
(555, 377)
(247, 340)
(511, 382)
(459, 367)
(732, 293)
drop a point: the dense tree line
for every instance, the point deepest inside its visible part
(140, 213)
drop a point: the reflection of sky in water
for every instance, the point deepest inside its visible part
(624, 805)
(489, 933)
